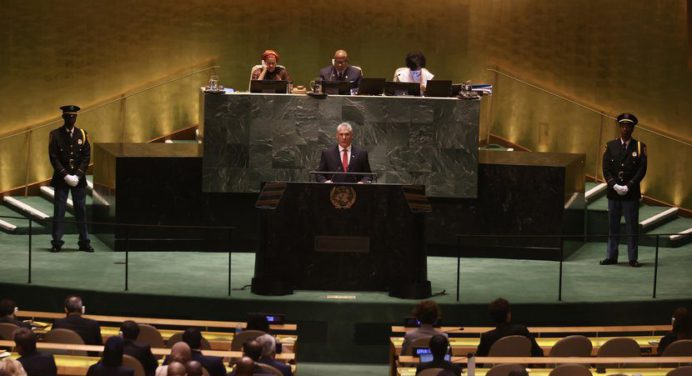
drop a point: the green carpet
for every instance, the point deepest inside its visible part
(206, 274)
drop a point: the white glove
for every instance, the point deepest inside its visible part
(72, 180)
(620, 189)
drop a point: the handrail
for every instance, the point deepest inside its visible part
(551, 329)
(114, 99)
(594, 110)
(154, 320)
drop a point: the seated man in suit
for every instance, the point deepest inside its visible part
(253, 351)
(500, 312)
(89, 330)
(140, 351)
(7, 310)
(180, 352)
(439, 347)
(213, 364)
(340, 70)
(34, 362)
(427, 312)
(268, 344)
(344, 157)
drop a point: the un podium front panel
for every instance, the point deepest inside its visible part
(344, 237)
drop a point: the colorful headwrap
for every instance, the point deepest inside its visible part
(268, 53)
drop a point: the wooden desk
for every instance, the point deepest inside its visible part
(156, 321)
(411, 371)
(540, 330)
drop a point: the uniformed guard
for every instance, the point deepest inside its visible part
(70, 152)
(624, 167)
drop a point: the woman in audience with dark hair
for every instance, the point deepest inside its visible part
(682, 329)
(111, 363)
(414, 71)
(427, 312)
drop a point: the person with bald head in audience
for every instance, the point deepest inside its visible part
(194, 368)
(253, 350)
(180, 352)
(88, 329)
(138, 350)
(176, 369)
(11, 367)
(244, 367)
(35, 363)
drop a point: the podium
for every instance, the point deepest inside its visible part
(342, 237)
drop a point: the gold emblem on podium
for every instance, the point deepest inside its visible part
(342, 197)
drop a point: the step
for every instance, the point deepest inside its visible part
(658, 219)
(182, 142)
(9, 225)
(48, 193)
(594, 191)
(680, 228)
(27, 206)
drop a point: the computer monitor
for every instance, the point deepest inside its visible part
(371, 86)
(269, 86)
(336, 87)
(402, 88)
(438, 88)
(426, 356)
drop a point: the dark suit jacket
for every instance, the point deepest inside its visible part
(445, 365)
(281, 366)
(330, 160)
(505, 330)
(69, 155)
(99, 369)
(19, 323)
(88, 329)
(213, 364)
(39, 364)
(624, 167)
(141, 352)
(353, 75)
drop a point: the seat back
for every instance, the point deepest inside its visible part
(418, 342)
(681, 371)
(621, 346)
(570, 370)
(572, 346)
(177, 337)
(150, 335)
(511, 346)
(132, 362)
(7, 331)
(267, 369)
(64, 336)
(244, 336)
(679, 348)
(430, 372)
(504, 369)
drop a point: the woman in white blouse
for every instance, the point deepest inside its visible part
(414, 71)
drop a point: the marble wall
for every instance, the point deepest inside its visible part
(251, 138)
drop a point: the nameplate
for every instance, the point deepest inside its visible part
(342, 244)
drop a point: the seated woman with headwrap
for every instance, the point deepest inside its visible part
(270, 70)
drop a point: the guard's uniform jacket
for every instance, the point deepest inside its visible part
(69, 155)
(624, 166)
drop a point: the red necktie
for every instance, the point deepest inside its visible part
(344, 160)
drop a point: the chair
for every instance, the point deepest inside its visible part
(681, 371)
(511, 346)
(132, 362)
(679, 348)
(177, 337)
(268, 369)
(244, 336)
(150, 335)
(570, 370)
(7, 331)
(504, 369)
(621, 346)
(418, 342)
(66, 336)
(430, 372)
(572, 346)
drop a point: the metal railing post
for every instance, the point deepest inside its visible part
(656, 266)
(230, 237)
(127, 257)
(30, 246)
(562, 257)
(458, 264)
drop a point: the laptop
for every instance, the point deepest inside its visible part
(402, 88)
(438, 88)
(426, 356)
(336, 87)
(269, 86)
(371, 86)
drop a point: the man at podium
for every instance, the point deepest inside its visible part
(344, 157)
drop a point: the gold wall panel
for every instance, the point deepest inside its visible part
(617, 55)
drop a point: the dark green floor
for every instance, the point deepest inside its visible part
(206, 274)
